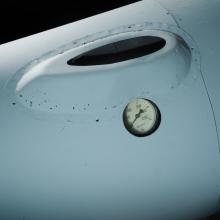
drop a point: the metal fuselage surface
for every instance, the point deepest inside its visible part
(64, 150)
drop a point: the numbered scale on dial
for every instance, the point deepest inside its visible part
(141, 117)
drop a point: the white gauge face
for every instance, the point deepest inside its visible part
(141, 117)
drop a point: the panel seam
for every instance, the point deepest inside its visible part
(203, 78)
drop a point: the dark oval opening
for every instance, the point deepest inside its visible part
(119, 51)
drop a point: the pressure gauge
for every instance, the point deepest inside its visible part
(141, 117)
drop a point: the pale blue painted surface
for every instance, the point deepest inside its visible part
(59, 162)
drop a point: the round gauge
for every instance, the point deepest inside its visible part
(141, 117)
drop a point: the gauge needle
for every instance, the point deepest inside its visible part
(137, 116)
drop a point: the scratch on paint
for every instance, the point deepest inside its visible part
(62, 129)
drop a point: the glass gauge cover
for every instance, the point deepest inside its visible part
(141, 117)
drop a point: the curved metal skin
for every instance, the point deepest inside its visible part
(64, 150)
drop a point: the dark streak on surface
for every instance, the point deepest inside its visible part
(62, 129)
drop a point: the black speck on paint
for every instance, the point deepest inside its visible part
(13, 103)
(73, 107)
(51, 108)
(20, 95)
(97, 120)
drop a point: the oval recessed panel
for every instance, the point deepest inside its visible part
(53, 86)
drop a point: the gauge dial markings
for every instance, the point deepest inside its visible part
(141, 117)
